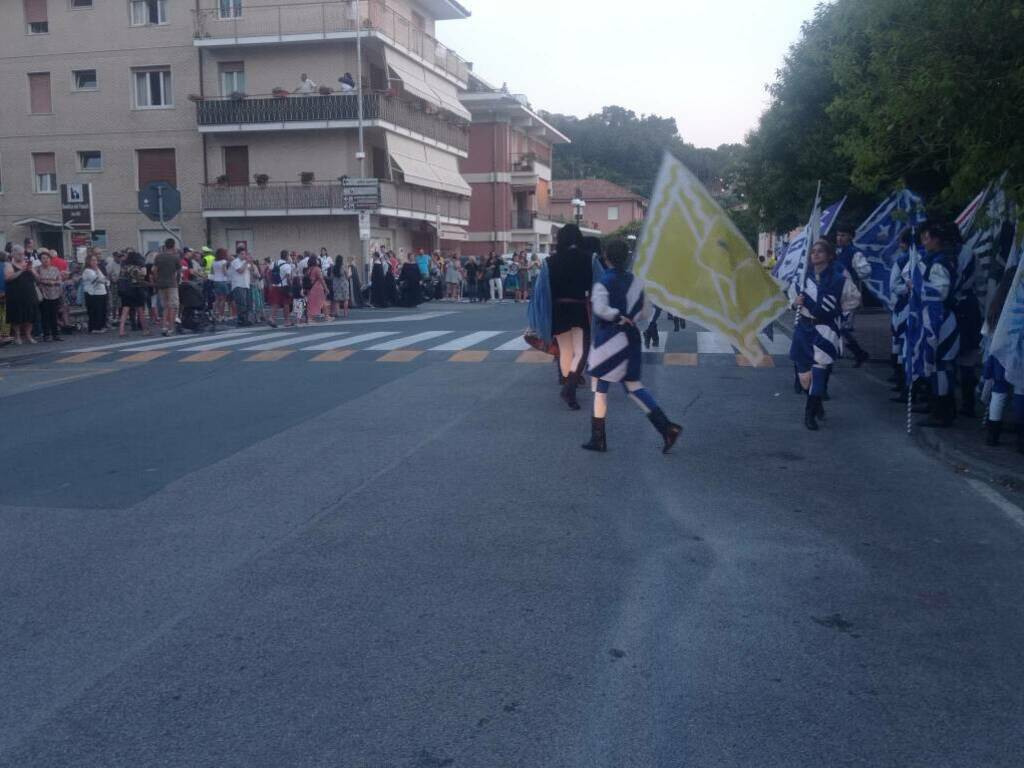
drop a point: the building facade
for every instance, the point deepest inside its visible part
(509, 170)
(608, 206)
(211, 98)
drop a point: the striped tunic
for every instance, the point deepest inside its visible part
(899, 294)
(616, 352)
(816, 337)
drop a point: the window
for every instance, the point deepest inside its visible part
(90, 161)
(36, 18)
(146, 12)
(81, 3)
(153, 88)
(157, 165)
(99, 238)
(232, 77)
(85, 79)
(613, 213)
(44, 168)
(230, 9)
(39, 100)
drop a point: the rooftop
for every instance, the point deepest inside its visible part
(592, 189)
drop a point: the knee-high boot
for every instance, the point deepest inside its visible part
(669, 431)
(811, 412)
(598, 440)
(569, 391)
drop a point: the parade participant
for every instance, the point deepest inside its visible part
(616, 355)
(996, 373)
(816, 335)
(857, 267)
(409, 279)
(967, 309)
(941, 345)
(378, 295)
(899, 296)
(570, 275)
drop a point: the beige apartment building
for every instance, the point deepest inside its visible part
(209, 96)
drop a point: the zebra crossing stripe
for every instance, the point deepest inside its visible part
(680, 358)
(399, 356)
(82, 357)
(465, 342)
(270, 356)
(766, 362)
(143, 357)
(291, 342)
(710, 343)
(469, 356)
(334, 356)
(349, 342)
(517, 344)
(534, 356)
(205, 357)
(229, 343)
(406, 341)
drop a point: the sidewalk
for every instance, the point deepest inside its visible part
(963, 444)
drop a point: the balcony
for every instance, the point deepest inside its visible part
(256, 113)
(324, 199)
(304, 22)
(528, 169)
(523, 220)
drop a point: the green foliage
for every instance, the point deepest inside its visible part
(879, 94)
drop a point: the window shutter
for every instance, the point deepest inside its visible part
(157, 165)
(39, 93)
(35, 11)
(44, 162)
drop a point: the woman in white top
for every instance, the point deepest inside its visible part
(95, 285)
(221, 284)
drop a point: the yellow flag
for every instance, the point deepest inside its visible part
(697, 265)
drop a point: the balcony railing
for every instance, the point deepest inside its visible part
(256, 110)
(323, 20)
(523, 219)
(526, 162)
(291, 197)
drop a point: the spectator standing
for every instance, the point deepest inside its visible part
(280, 288)
(51, 289)
(240, 277)
(256, 285)
(221, 283)
(452, 278)
(131, 288)
(22, 299)
(95, 284)
(472, 273)
(512, 281)
(316, 290)
(342, 287)
(166, 276)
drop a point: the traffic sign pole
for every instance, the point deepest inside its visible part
(160, 209)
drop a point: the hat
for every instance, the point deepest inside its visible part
(206, 249)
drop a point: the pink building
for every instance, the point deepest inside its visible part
(608, 206)
(509, 170)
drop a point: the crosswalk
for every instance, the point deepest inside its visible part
(351, 341)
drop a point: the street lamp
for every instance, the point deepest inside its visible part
(579, 204)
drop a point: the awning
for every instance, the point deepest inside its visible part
(423, 83)
(35, 221)
(451, 232)
(426, 166)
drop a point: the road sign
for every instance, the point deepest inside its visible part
(76, 206)
(364, 225)
(153, 195)
(360, 194)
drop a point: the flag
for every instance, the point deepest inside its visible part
(697, 265)
(879, 236)
(796, 252)
(991, 238)
(811, 233)
(913, 339)
(965, 221)
(1007, 345)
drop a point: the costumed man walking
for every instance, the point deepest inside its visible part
(616, 353)
(995, 373)
(899, 298)
(570, 275)
(933, 285)
(857, 267)
(817, 342)
(967, 309)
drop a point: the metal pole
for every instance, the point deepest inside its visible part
(160, 210)
(364, 243)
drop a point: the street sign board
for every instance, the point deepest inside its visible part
(76, 206)
(153, 194)
(364, 225)
(360, 194)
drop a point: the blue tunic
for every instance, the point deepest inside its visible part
(816, 340)
(616, 351)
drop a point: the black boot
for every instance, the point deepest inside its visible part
(670, 432)
(943, 413)
(798, 388)
(655, 337)
(598, 441)
(569, 391)
(993, 430)
(819, 409)
(647, 339)
(811, 411)
(967, 398)
(859, 355)
(675, 322)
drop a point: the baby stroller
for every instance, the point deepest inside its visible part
(195, 316)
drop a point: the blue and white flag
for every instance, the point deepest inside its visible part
(878, 238)
(913, 338)
(1008, 340)
(789, 263)
(991, 228)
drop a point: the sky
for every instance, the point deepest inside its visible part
(703, 62)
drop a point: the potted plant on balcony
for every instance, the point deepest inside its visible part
(222, 180)
(325, 90)
(306, 177)
(261, 179)
(279, 93)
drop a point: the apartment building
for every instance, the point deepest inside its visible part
(608, 205)
(209, 95)
(509, 170)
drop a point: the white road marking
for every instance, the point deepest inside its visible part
(406, 341)
(1007, 507)
(242, 337)
(777, 346)
(710, 343)
(350, 342)
(150, 341)
(517, 344)
(465, 342)
(229, 343)
(292, 342)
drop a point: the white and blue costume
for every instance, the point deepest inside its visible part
(616, 351)
(816, 337)
(899, 293)
(933, 286)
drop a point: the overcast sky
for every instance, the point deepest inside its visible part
(703, 62)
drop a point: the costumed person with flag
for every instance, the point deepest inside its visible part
(967, 309)
(932, 290)
(857, 267)
(1004, 365)
(616, 353)
(570, 274)
(899, 297)
(816, 335)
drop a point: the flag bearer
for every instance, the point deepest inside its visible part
(899, 297)
(816, 337)
(616, 353)
(967, 309)
(857, 267)
(995, 373)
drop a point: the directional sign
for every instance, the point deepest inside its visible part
(360, 194)
(364, 225)
(76, 206)
(157, 193)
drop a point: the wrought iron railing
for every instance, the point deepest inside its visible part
(326, 18)
(256, 110)
(296, 196)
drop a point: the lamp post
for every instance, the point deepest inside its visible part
(579, 203)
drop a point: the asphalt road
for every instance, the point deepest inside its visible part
(409, 562)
